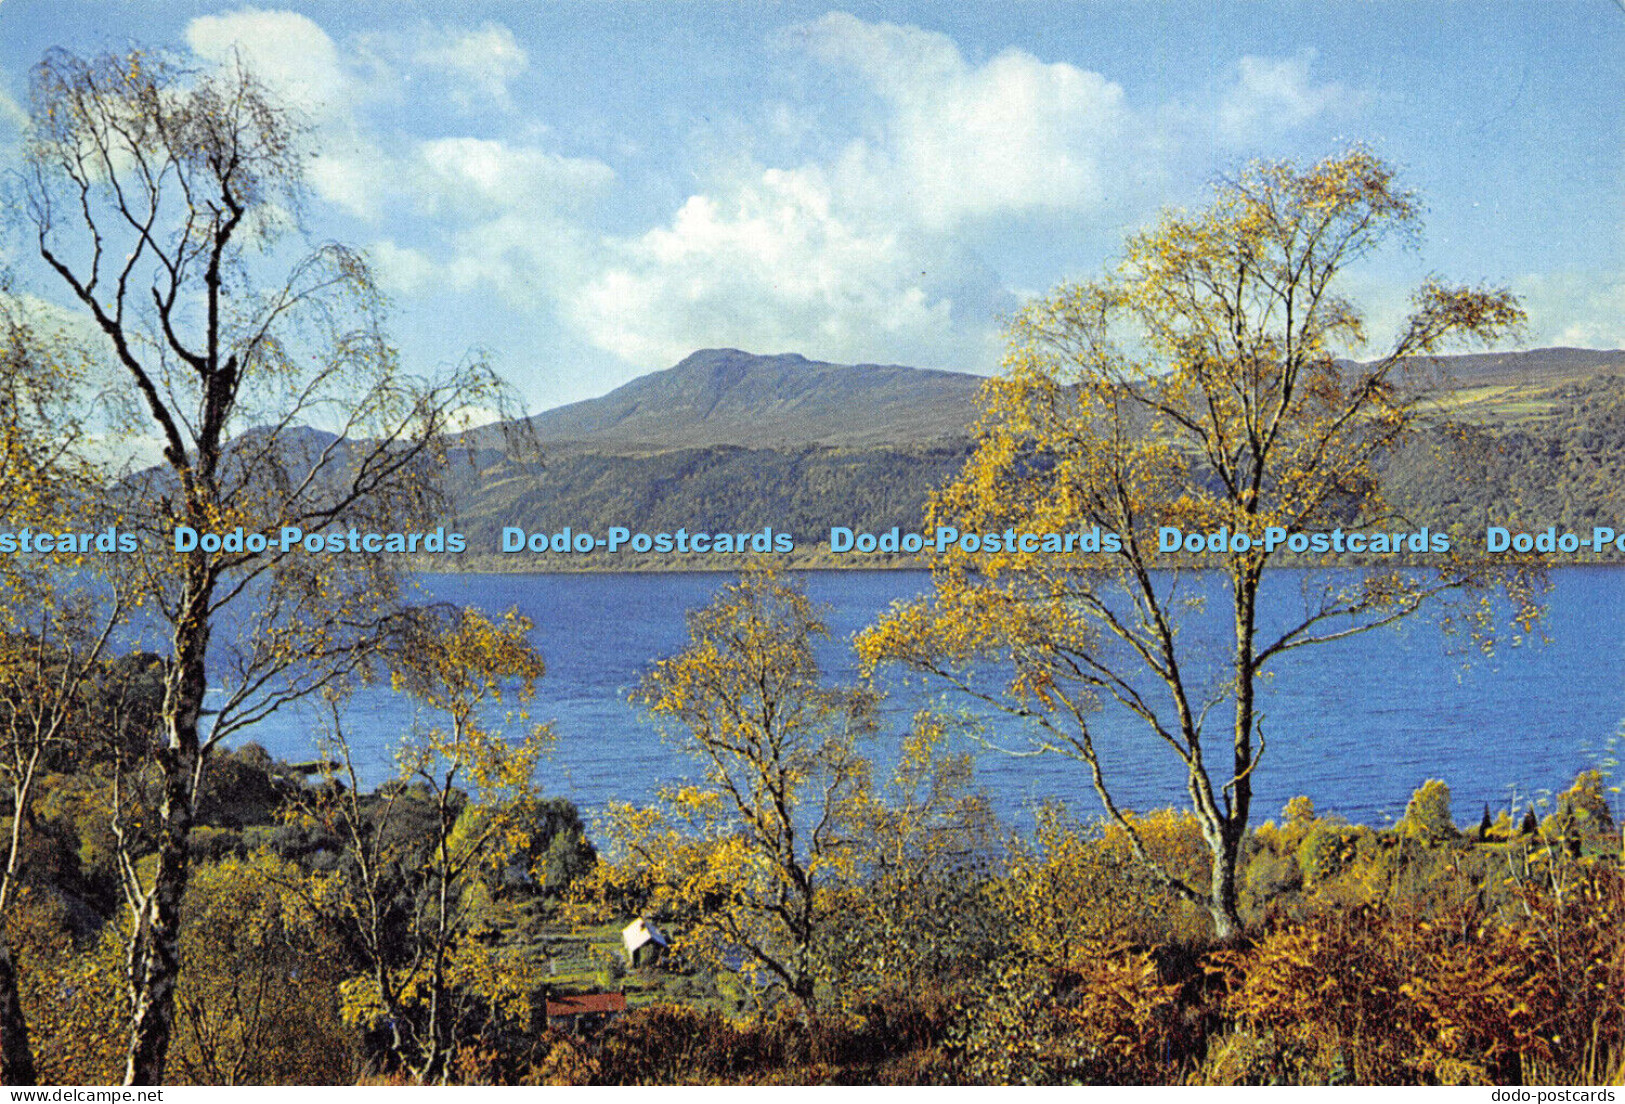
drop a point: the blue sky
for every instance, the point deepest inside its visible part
(589, 191)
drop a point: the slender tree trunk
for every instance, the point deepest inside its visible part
(155, 959)
(16, 1055)
(155, 955)
(1224, 903)
(804, 987)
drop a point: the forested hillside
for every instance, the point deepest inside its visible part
(1532, 455)
(727, 441)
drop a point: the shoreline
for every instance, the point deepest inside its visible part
(634, 564)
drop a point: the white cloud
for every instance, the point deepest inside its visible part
(963, 141)
(400, 269)
(856, 252)
(480, 63)
(351, 173)
(523, 257)
(1271, 96)
(484, 212)
(774, 266)
(11, 113)
(302, 64)
(504, 213)
(493, 215)
(462, 176)
(284, 48)
(858, 257)
(1581, 309)
(124, 451)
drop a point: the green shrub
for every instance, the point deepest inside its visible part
(1326, 851)
(1586, 804)
(1427, 817)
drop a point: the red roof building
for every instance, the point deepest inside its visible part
(582, 1013)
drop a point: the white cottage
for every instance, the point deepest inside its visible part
(645, 944)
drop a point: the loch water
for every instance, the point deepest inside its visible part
(1356, 724)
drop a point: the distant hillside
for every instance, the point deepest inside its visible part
(732, 398)
(727, 397)
(726, 440)
(1534, 366)
(802, 490)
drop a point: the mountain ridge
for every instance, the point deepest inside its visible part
(728, 397)
(725, 440)
(717, 397)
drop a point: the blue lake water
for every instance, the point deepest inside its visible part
(1357, 725)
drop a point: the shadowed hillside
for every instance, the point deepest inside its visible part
(727, 397)
(726, 440)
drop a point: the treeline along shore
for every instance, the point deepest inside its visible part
(333, 935)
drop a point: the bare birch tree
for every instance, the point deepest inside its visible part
(166, 201)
